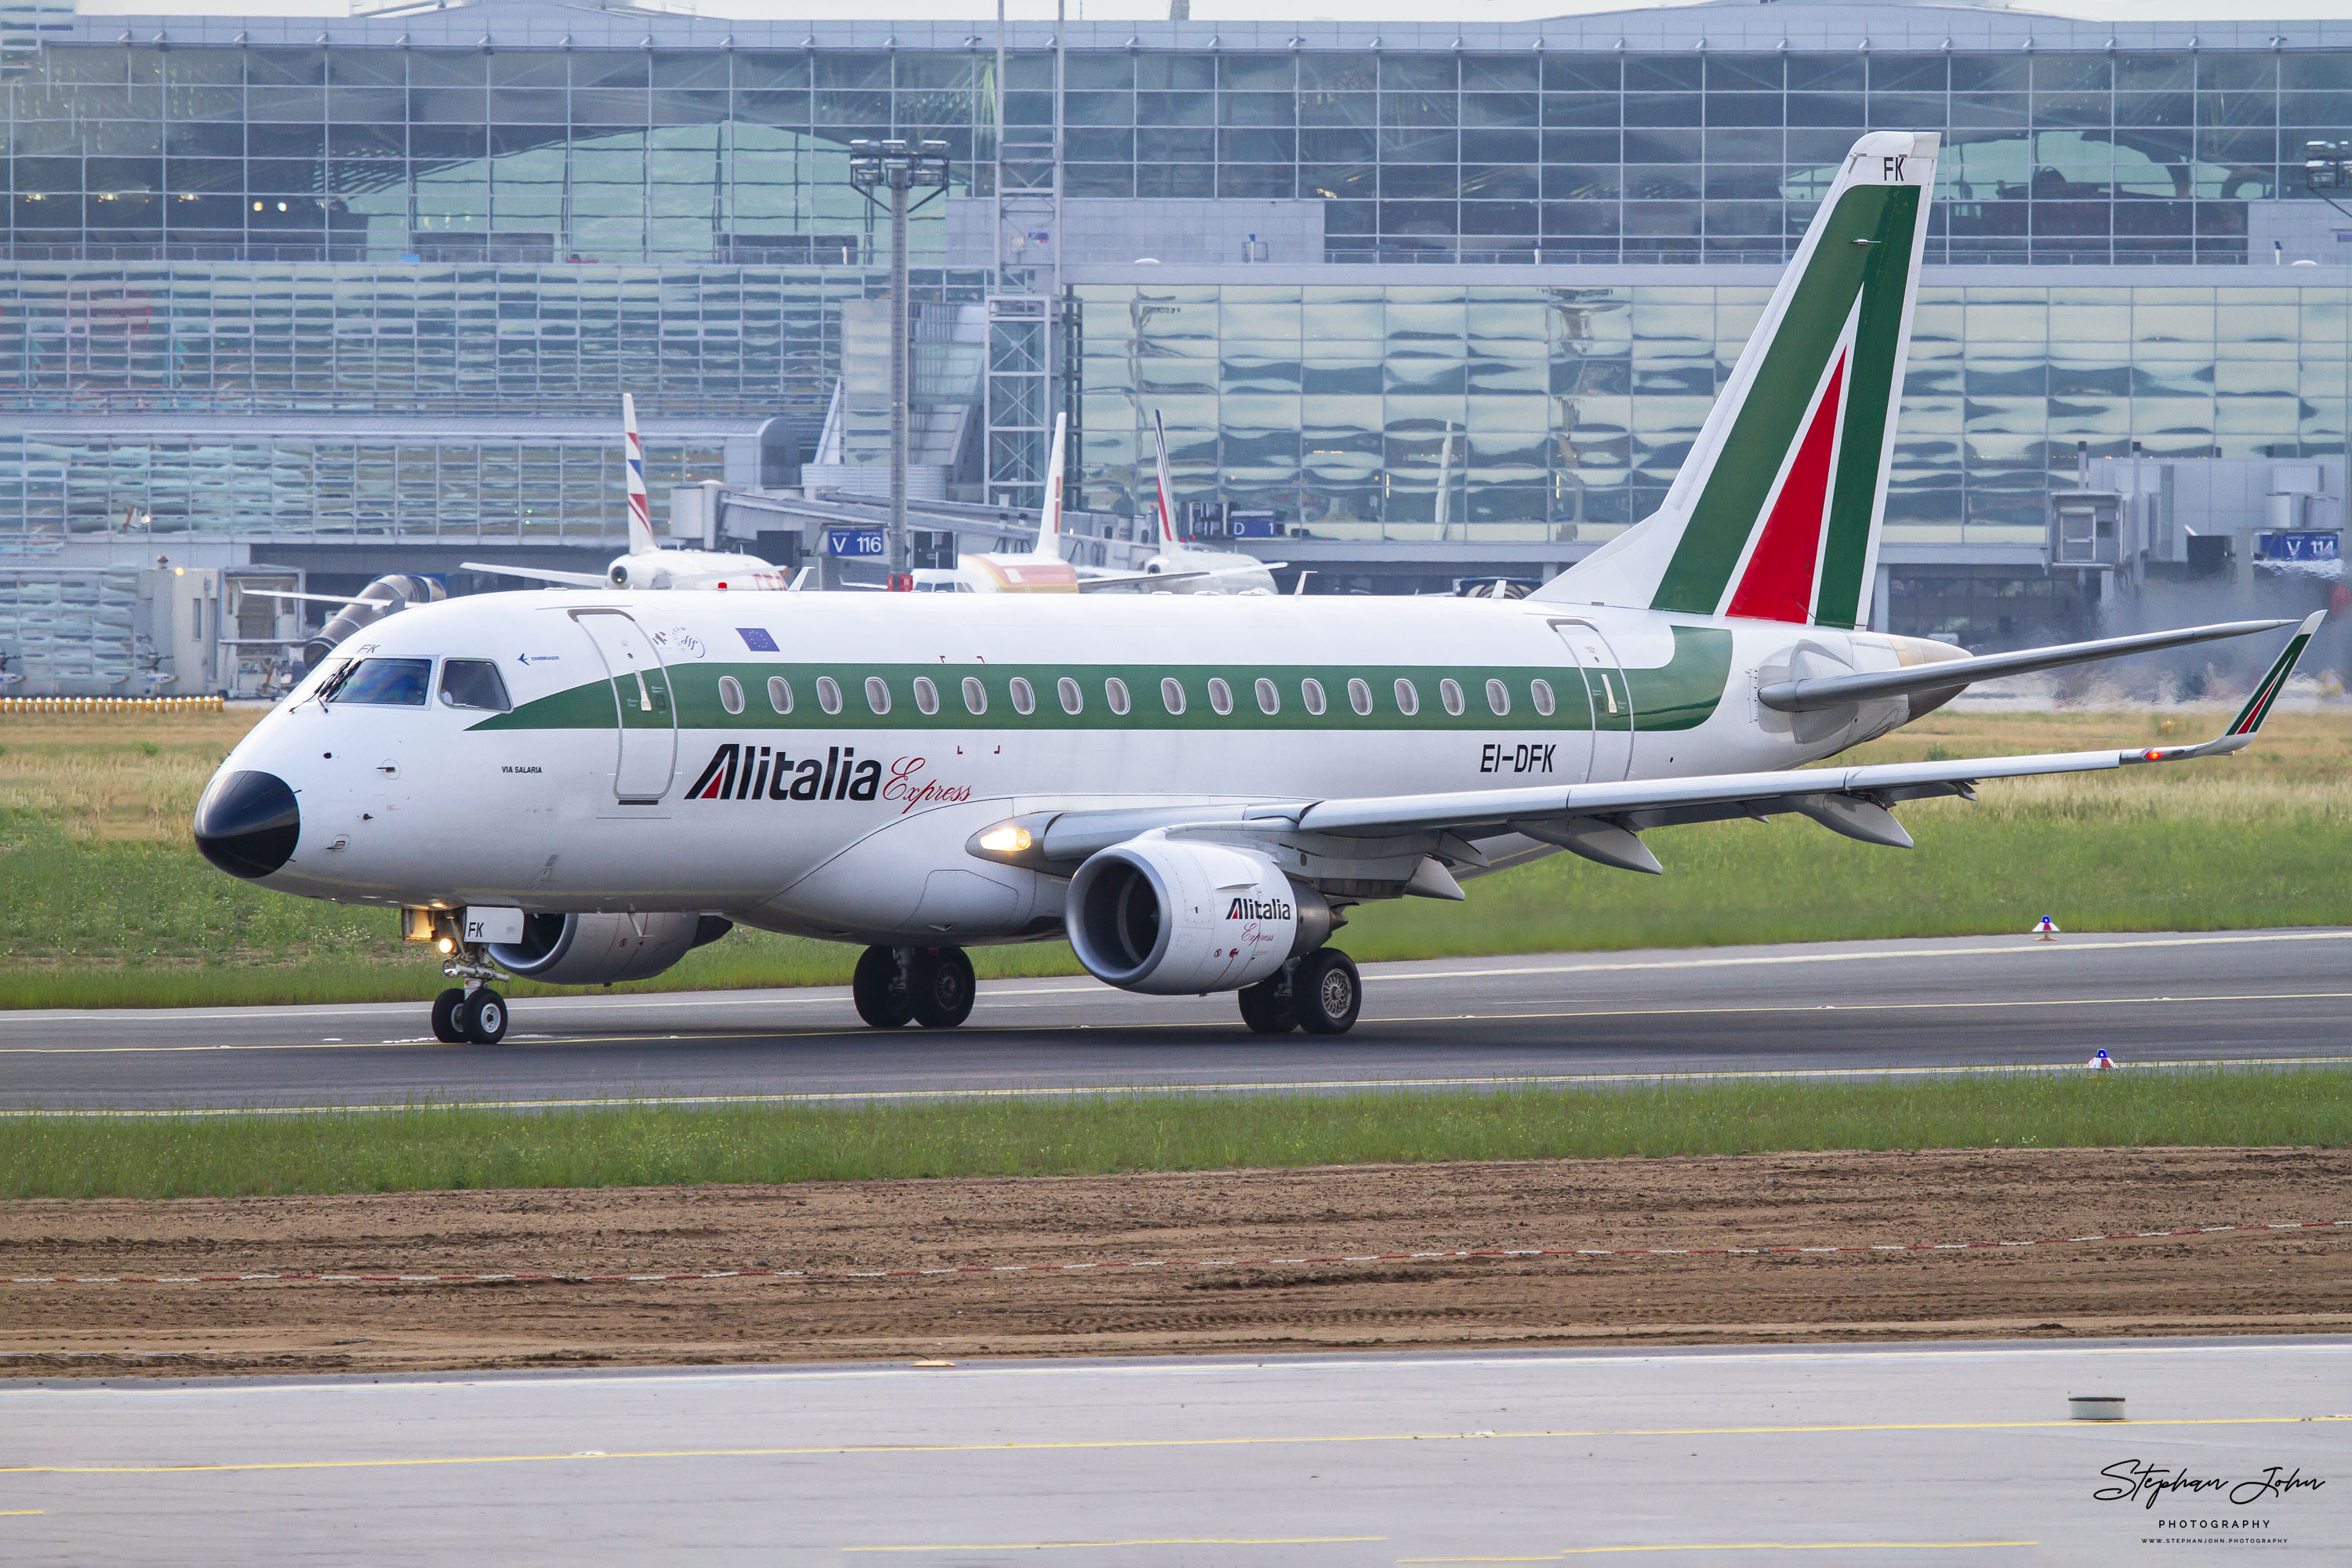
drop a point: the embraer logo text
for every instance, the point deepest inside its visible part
(1249, 908)
(1524, 759)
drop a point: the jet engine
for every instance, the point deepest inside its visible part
(604, 950)
(1173, 918)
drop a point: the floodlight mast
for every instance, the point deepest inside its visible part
(899, 167)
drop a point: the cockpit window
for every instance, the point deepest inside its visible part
(383, 682)
(474, 683)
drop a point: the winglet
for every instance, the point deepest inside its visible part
(2241, 729)
(2258, 706)
(1167, 501)
(641, 524)
(1049, 525)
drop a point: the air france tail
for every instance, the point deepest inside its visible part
(1775, 514)
(641, 526)
(1167, 491)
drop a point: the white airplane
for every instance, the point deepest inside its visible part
(1190, 569)
(648, 564)
(1194, 789)
(1042, 569)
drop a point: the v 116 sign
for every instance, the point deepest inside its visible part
(855, 543)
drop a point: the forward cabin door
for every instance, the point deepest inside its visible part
(647, 717)
(1612, 700)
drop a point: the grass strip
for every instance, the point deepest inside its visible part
(424, 1148)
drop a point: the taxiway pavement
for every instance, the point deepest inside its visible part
(1831, 1008)
(1918, 1454)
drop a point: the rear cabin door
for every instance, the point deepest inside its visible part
(1612, 700)
(647, 717)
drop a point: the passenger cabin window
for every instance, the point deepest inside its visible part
(1449, 691)
(975, 695)
(1498, 698)
(1072, 699)
(1407, 697)
(383, 683)
(1269, 699)
(1172, 694)
(1311, 691)
(1220, 696)
(828, 693)
(926, 695)
(474, 683)
(1024, 696)
(1115, 693)
(1359, 697)
(1540, 690)
(780, 694)
(877, 694)
(730, 693)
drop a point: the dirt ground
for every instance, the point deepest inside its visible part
(2278, 1282)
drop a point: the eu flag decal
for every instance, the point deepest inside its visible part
(757, 639)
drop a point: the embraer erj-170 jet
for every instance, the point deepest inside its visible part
(648, 564)
(580, 787)
(1186, 568)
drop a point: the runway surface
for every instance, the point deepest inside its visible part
(1835, 1008)
(1920, 1454)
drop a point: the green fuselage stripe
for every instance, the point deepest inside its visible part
(1679, 696)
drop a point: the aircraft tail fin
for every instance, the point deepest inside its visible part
(641, 525)
(1049, 525)
(1776, 513)
(1167, 491)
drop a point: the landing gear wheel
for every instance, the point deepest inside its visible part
(942, 987)
(1265, 1006)
(1326, 993)
(881, 1000)
(444, 1016)
(483, 1017)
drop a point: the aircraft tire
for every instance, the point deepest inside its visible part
(483, 1017)
(875, 988)
(1326, 993)
(444, 1016)
(1265, 1007)
(943, 987)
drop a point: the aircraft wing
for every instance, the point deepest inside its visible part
(539, 574)
(1601, 821)
(282, 594)
(1836, 690)
(1130, 579)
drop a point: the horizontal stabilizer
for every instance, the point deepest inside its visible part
(1836, 691)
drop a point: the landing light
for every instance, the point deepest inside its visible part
(446, 946)
(1006, 840)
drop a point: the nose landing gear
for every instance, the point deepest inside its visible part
(932, 986)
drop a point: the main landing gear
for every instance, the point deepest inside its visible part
(1320, 994)
(477, 1017)
(895, 986)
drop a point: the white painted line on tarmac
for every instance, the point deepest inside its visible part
(866, 1096)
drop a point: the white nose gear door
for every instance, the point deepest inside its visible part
(647, 717)
(1612, 700)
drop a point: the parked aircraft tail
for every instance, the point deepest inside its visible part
(1049, 526)
(1167, 491)
(641, 524)
(1776, 513)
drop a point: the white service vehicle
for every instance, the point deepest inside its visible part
(580, 787)
(650, 563)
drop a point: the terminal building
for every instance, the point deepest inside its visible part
(1418, 304)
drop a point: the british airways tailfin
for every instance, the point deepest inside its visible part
(1776, 513)
(641, 524)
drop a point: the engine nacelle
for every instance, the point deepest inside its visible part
(1176, 918)
(604, 950)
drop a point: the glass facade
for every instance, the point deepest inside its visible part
(1567, 409)
(542, 154)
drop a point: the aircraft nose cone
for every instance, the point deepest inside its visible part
(246, 824)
